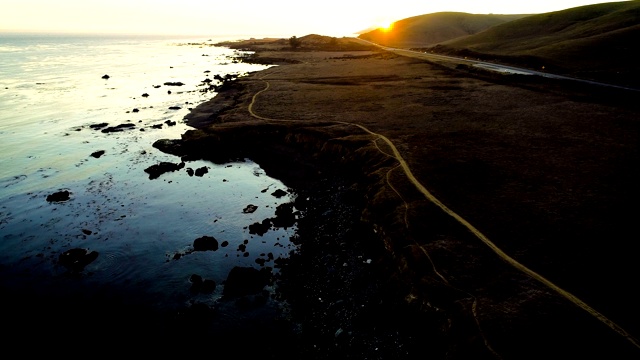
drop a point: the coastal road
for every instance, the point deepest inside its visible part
(507, 69)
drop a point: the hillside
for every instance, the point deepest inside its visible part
(430, 29)
(592, 42)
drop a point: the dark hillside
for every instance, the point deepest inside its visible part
(592, 42)
(430, 29)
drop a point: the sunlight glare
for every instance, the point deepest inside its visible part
(385, 25)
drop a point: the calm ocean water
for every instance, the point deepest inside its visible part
(51, 91)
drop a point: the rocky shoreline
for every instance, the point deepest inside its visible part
(342, 292)
(350, 291)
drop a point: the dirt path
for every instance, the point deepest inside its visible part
(422, 189)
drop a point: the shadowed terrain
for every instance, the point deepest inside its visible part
(594, 42)
(539, 167)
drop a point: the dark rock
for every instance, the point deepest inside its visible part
(59, 196)
(285, 216)
(97, 154)
(145, 95)
(118, 128)
(155, 171)
(259, 228)
(98, 126)
(174, 108)
(224, 244)
(135, 110)
(176, 83)
(157, 126)
(249, 209)
(170, 122)
(243, 281)
(205, 243)
(190, 171)
(76, 259)
(170, 146)
(301, 202)
(208, 286)
(196, 283)
(279, 193)
(105, 76)
(201, 171)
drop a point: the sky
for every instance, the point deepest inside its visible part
(241, 18)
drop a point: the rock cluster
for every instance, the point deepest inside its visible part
(156, 170)
(76, 259)
(59, 196)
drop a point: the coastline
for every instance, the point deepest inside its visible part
(501, 150)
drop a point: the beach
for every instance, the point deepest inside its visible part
(453, 212)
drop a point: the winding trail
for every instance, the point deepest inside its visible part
(405, 167)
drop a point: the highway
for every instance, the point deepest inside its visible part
(487, 65)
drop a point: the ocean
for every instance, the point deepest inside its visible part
(57, 96)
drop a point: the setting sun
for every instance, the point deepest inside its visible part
(385, 26)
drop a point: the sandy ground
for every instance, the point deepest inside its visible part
(545, 170)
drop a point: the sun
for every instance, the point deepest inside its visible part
(382, 23)
(385, 26)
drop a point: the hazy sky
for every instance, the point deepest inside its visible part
(280, 18)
